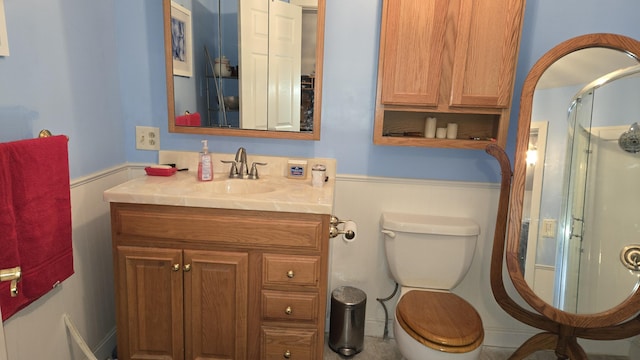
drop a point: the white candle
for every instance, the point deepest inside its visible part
(430, 127)
(452, 131)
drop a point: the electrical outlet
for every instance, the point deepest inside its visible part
(147, 138)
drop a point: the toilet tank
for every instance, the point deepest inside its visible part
(428, 251)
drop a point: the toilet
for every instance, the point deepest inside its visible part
(428, 256)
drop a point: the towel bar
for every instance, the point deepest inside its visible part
(14, 275)
(46, 133)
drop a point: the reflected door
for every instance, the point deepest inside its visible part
(270, 59)
(285, 60)
(254, 63)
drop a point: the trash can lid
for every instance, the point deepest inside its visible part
(349, 295)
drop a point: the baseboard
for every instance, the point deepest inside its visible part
(375, 328)
(508, 338)
(106, 346)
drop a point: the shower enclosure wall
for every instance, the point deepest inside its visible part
(600, 195)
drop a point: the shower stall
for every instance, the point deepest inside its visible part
(598, 247)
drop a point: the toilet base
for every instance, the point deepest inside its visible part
(411, 349)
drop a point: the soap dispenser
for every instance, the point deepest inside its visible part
(205, 165)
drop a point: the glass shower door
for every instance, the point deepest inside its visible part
(575, 185)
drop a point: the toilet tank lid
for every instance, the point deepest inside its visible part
(429, 224)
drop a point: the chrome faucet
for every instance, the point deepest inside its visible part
(241, 162)
(239, 168)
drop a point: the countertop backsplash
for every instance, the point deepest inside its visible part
(276, 165)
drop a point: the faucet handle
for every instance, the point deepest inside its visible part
(233, 169)
(253, 174)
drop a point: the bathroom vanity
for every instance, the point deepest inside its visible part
(212, 271)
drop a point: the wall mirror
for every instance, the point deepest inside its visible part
(244, 68)
(572, 240)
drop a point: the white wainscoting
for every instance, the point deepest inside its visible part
(38, 331)
(362, 263)
(3, 349)
(87, 296)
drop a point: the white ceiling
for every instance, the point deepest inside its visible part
(584, 66)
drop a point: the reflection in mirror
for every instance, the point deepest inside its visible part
(607, 220)
(578, 190)
(256, 68)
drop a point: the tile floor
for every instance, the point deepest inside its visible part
(379, 349)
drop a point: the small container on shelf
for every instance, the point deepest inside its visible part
(221, 67)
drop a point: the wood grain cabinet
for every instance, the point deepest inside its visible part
(201, 283)
(453, 60)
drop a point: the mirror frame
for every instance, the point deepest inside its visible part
(313, 135)
(629, 306)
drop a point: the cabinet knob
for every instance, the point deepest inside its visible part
(290, 274)
(187, 268)
(287, 354)
(175, 267)
(288, 310)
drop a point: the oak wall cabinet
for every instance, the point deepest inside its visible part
(204, 283)
(453, 60)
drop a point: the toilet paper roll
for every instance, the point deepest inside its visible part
(350, 225)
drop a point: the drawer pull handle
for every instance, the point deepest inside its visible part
(287, 354)
(175, 267)
(187, 268)
(288, 310)
(290, 274)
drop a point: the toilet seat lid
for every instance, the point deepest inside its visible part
(441, 320)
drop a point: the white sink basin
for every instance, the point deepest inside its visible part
(238, 186)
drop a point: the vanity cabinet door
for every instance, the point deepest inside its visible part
(412, 41)
(163, 291)
(149, 293)
(486, 53)
(215, 288)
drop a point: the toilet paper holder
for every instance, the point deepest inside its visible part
(334, 231)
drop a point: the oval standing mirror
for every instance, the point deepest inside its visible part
(569, 252)
(570, 208)
(565, 207)
(244, 68)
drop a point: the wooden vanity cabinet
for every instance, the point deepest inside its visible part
(454, 60)
(201, 283)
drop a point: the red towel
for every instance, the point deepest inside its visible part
(188, 120)
(35, 177)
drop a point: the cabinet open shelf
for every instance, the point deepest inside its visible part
(407, 128)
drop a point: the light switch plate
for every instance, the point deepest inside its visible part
(549, 228)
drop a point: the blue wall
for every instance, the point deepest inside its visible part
(94, 70)
(62, 75)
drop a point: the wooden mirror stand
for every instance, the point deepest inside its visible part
(560, 329)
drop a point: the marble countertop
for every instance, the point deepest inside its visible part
(272, 192)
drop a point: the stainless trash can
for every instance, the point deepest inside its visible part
(346, 331)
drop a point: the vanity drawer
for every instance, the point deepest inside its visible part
(292, 344)
(214, 227)
(290, 270)
(287, 306)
